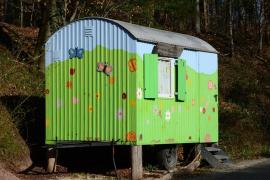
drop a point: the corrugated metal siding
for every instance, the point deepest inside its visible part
(89, 110)
(182, 123)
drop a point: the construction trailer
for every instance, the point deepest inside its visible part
(109, 81)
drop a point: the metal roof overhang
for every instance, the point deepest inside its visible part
(156, 36)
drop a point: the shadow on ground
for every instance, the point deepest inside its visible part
(28, 114)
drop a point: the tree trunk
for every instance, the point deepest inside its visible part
(214, 7)
(261, 24)
(231, 27)
(2, 10)
(198, 21)
(21, 16)
(205, 12)
(54, 16)
(44, 33)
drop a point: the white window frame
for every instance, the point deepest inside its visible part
(172, 88)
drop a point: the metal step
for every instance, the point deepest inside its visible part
(215, 156)
(221, 157)
(212, 149)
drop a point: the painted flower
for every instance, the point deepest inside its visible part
(193, 102)
(124, 95)
(69, 84)
(97, 95)
(111, 80)
(59, 103)
(206, 104)
(120, 114)
(132, 65)
(207, 137)
(139, 93)
(155, 110)
(131, 136)
(75, 100)
(168, 115)
(210, 84)
(202, 110)
(90, 108)
(71, 71)
(132, 102)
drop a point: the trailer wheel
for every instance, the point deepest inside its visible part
(51, 160)
(167, 157)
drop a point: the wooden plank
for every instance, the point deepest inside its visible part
(136, 162)
(168, 50)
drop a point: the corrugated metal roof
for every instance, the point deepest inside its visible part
(160, 36)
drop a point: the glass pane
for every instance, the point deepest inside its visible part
(164, 78)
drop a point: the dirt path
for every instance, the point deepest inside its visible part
(250, 169)
(6, 175)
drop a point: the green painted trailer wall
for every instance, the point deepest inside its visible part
(83, 104)
(167, 120)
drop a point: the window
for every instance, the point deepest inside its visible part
(165, 77)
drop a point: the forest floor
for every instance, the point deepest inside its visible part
(246, 169)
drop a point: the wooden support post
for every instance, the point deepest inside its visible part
(136, 162)
(51, 160)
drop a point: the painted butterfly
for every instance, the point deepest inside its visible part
(76, 53)
(107, 69)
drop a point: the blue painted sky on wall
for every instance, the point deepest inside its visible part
(87, 34)
(207, 64)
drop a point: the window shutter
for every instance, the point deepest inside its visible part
(181, 80)
(150, 76)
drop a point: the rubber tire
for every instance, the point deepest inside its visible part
(167, 157)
